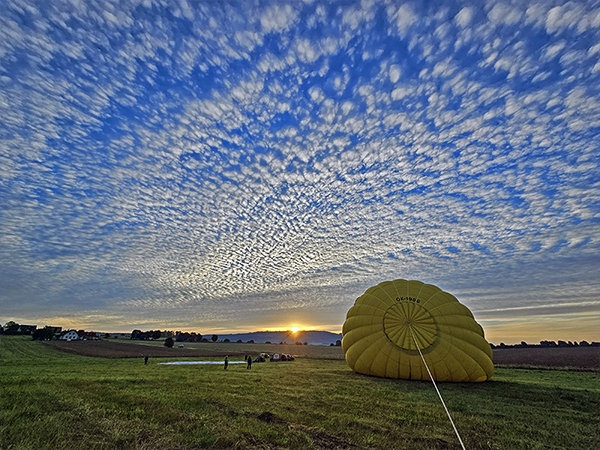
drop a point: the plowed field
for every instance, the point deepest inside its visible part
(587, 358)
(112, 349)
(582, 358)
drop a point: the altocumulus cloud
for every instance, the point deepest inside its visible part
(224, 165)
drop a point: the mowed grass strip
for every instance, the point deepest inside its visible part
(54, 400)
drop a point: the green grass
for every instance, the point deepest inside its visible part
(55, 400)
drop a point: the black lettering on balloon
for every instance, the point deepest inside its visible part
(408, 299)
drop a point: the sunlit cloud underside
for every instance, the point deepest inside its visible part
(240, 165)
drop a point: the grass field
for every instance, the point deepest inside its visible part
(55, 400)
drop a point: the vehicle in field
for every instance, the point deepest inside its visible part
(261, 358)
(281, 357)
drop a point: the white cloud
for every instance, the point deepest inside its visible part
(504, 14)
(553, 50)
(394, 73)
(464, 16)
(561, 17)
(405, 17)
(316, 94)
(306, 51)
(278, 18)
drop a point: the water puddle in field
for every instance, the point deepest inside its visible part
(182, 363)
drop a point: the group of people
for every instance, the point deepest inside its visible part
(247, 358)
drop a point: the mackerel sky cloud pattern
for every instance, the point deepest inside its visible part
(245, 165)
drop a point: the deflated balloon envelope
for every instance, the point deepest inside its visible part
(381, 329)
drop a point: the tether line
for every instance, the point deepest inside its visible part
(436, 388)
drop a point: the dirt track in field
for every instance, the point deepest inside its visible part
(111, 349)
(584, 358)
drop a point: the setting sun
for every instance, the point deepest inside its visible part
(294, 329)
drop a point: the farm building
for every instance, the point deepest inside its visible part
(71, 335)
(27, 329)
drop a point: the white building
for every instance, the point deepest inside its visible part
(70, 336)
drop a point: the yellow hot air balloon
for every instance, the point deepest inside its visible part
(385, 325)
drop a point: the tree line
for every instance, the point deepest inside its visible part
(545, 344)
(180, 336)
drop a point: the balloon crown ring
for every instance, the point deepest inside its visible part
(405, 319)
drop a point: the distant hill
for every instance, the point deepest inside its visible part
(275, 337)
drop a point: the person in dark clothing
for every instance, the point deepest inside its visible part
(226, 362)
(145, 359)
(249, 362)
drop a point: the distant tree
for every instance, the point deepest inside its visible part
(11, 328)
(239, 341)
(524, 344)
(584, 344)
(338, 343)
(562, 344)
(43, 334)
(135, 334)
(183, 337)
(226, 340)
(251, 341)
(298, 343)
(107, 335)
(155, 334)
(169, 342)
(214, 338)
(305, 343)
(267, 342)
(332, 345)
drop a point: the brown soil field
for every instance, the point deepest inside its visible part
(582, 358)
(111, 349)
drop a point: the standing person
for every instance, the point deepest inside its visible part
(145, 359)
(249, 362)
(226, 362)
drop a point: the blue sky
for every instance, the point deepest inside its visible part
(233, 166)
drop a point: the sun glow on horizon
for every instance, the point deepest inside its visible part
(294, 329)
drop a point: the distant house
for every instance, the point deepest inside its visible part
(27, 329)
(71, 335)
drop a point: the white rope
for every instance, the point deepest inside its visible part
(437, 390)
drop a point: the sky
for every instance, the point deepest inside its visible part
(226, 166)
